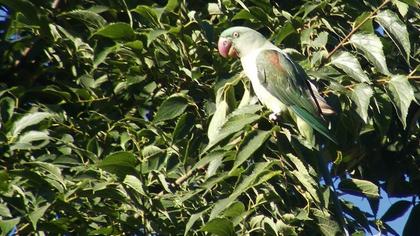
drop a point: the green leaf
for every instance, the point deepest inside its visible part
(251, 143)
(219, 226)
(7, 225)
(134, 183)
(328, 226)
(412, 3)
(412, 225)
(37, 214)
(7, 106)
(321, 40)
(154, 34)
(397, 210)
(171, 5)
(361, 95)
(371, 46)
(367, 27)
(183, 126)
(233, 124)
(349, 64)
(286, 30)
(359, 187)
(119, 163)
(396, 28)
(101, 52)
(193, 218)
(302, 175)
(171, 108)
(117, 31)
(91, 19)
(31, 140)
(401, 93)
(148, 14)
(28, 120)
(4, 211)
(234, 210)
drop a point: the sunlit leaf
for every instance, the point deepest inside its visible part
(371, 46)
(28, 120)
(349, 64)
(396, 28)
(37, 214)
(401, 93)
(219, 226)
(361, 95)
(359, 187)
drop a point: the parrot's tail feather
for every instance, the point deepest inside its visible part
(314, 122)
(323, 105)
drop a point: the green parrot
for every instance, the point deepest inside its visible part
(278, 81)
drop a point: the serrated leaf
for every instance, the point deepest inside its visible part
(401, 93)
(286, 30)
(171, 108)
(349, 64)
(246, 183)
(233, 124)
(234, 210)
(4, 211)
(119, 163)
(91, 19)
(28, 120)
(148, 13)
(321, 40)
(302, 175)
(396, 210)
(192, 220)
(154, 34)
(251, 143)
(183, 126)
(359, 187)
(371, 46)
(31, 140)
(396, 28)
(219, 226)
(101, 52)
(7, 225)
(37, 214)
(327, 226)
(361, 95)
(134, 183)
(117, 31)
(367, 26)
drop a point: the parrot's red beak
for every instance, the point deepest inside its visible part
(225, 48)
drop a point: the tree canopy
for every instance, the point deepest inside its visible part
(120, 117)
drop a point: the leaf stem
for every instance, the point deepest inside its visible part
(342, 42)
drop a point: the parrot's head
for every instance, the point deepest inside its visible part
(238, 41)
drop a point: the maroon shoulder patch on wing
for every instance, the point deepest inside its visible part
(274, 59)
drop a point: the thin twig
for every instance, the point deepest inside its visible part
(355, 29)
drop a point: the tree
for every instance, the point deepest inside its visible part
(120, 117)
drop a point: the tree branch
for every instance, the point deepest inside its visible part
(355, 29)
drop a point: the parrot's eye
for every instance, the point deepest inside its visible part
(235, 34)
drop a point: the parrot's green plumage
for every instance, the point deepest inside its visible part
(278, 82)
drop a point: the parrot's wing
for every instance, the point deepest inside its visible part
(288, 82)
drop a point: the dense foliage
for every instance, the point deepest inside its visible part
(120, 117)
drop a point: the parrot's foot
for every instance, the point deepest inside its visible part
(273, 116)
